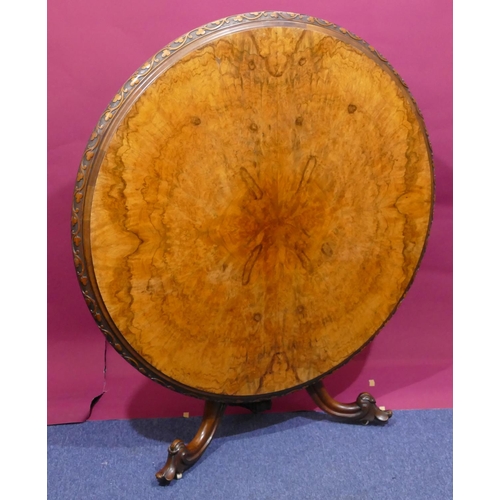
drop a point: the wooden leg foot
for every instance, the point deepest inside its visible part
(181, 456)
(363, 410)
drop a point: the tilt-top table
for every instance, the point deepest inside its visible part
(249, 212)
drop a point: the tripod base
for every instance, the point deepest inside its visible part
(182, 456)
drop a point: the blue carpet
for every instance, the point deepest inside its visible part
(265, 456)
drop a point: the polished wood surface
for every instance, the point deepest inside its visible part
(261, 210)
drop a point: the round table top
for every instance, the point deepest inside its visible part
(252, 206)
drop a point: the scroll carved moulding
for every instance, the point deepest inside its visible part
(252, 206)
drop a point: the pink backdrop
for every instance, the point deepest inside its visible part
(93, 48)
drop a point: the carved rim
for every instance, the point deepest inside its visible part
(109, 120)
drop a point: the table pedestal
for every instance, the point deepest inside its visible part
(181, 456)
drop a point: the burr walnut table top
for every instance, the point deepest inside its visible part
(252, 206)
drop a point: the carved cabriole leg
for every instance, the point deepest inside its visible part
(182, 456)
(363, 410)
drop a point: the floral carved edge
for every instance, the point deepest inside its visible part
(88, 161)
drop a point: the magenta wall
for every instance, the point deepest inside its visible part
(93, 47)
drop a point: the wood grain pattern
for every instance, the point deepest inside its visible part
(261, 210)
